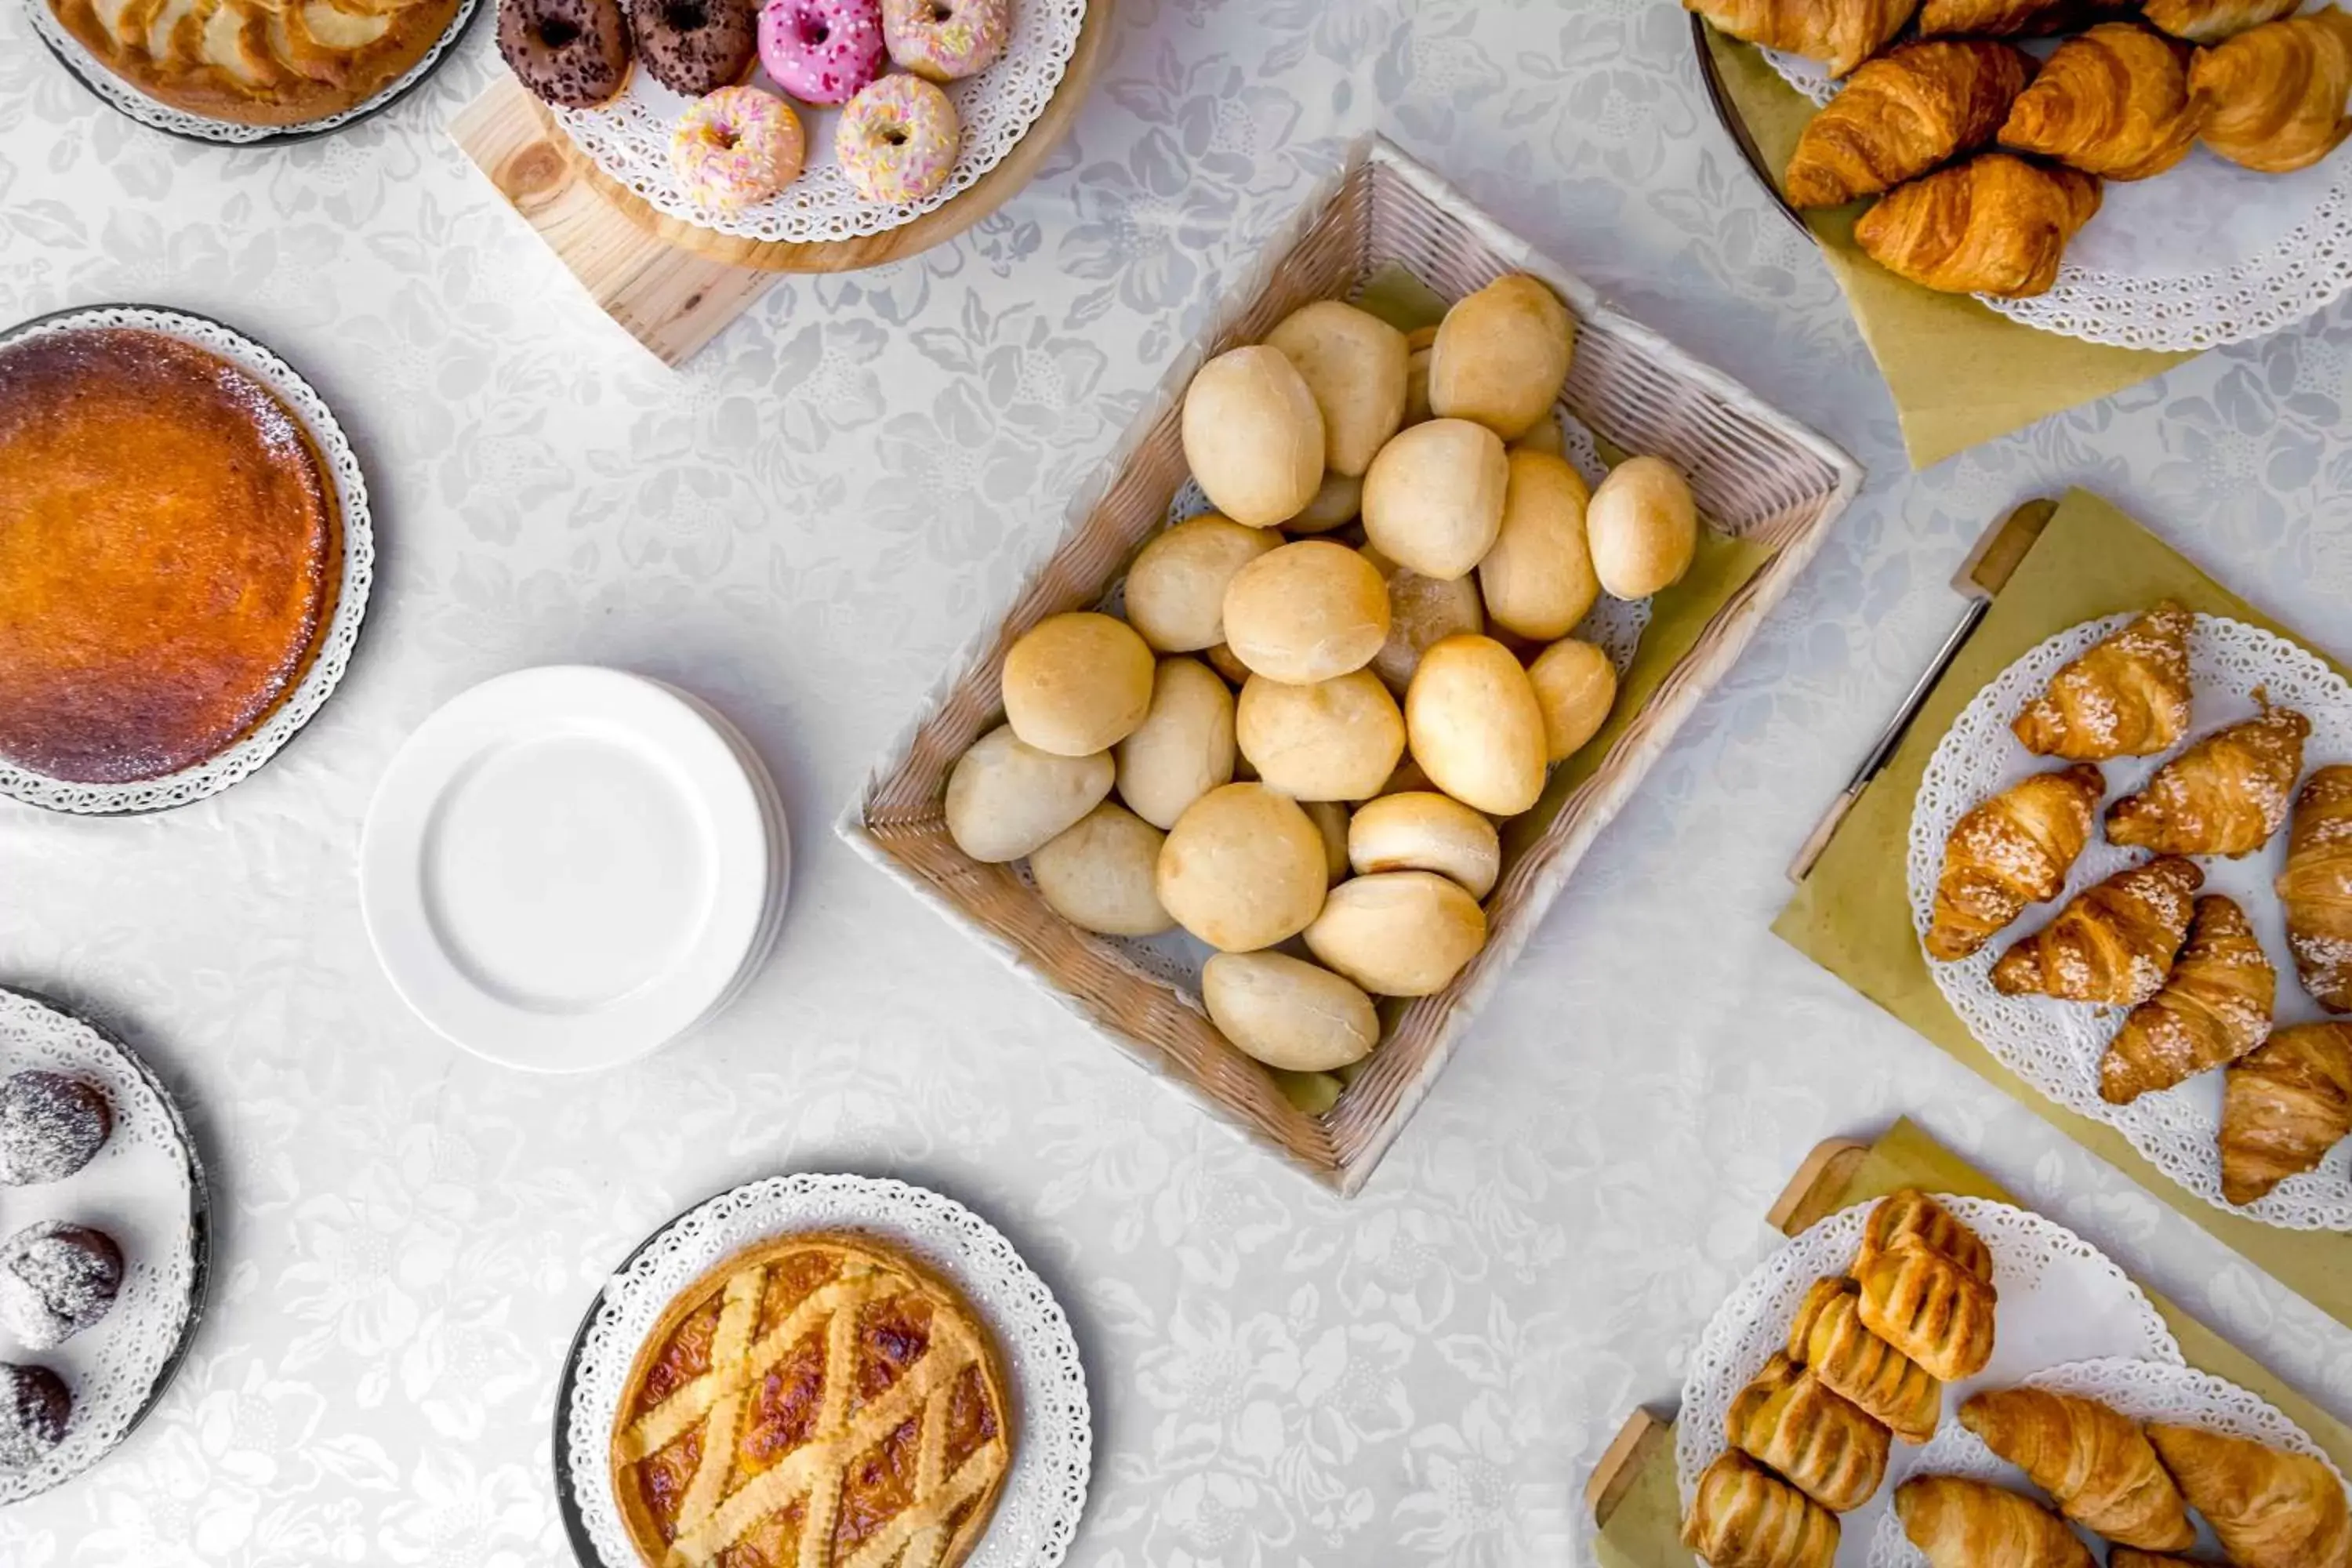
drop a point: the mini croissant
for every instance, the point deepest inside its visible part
(2096, 1464)
(2126, 697)
(1828, 1337)
(2285, 1107)
(2213, 1009)
(1818, 1441)
(2009, 852)
(2112, 101)
(1902, 114)
(2272, 100)
(2114, 944)
(2271, 1508)
(1840, 34)
(1929, 1307)
(2317, 886)
(1995, 224)
(2211, 21)
(1962, 1523)
(2224, 796)
(1743, 1516)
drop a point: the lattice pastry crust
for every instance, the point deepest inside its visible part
(815, 1401)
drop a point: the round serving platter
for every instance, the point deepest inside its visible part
(126, 100)
(335, 644)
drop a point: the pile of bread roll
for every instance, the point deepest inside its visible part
(1364, 828)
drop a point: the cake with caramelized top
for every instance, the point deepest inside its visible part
(170, 553)
(816, 1401)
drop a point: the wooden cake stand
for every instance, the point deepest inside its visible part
(671, 285)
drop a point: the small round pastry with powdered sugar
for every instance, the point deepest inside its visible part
(34, 1410)
(50, 1126)
(56, 1279)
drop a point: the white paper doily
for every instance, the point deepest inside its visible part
(629, 138)
(2204, 254)
(1053, 1434)
(2144, 1391)
(156, 115)
(2057, 1046)
(140, 1189)
(2060, 1299)
(342, 631)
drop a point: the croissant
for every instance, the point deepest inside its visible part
(2111, 101)
(2013, 19)
(1818, 1441)
(1840, 34)
(2273, 99)
(1910, 1217)
(2271, 1509)
(2285, 1107)
(1827, 1336)
(1902, 114)
(1961, 1523)
(2211, 21)
(2009, 852)
(2213, 1009)
(2112, 943)
(2224, 796)
(2095, 1463)
(2126, 697)
(2317, 886)
(1929, 1307)
(1994, 225)
(1743, 1516)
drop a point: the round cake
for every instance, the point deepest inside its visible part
(169, 555)
(816, 1400)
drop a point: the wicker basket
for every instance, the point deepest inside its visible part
(1756, 473)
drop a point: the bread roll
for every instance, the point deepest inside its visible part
(1336, 739)
(1434, 496)
(1399, 933)
(1176, 589)
(1336, 505)
(1331, 820)
(1005, 797)
(1422, 610)
(1644, 528)
(1474, 726)
(1501, 355)
(1075, 683)
(1424, 831)
(1097, 874)
(1184, 747)
(1243, 869)
(1575, 686)
(1354, 363)
(1538, 580)
(1306, 612)
(1252, 435)
(1287, 1012)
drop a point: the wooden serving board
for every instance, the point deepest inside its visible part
(1631, 1493)
(671, 285)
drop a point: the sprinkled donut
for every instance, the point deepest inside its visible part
(822, 51)
(946, 40)
(695, 47)
(572, 53)
(898, 140)
(736, 147)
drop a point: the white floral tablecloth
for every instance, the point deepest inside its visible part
(802, 526)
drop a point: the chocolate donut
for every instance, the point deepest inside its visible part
(575, 53)
(695, 47)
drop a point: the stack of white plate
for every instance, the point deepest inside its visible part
(565, 868)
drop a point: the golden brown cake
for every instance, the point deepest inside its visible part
(816, 1401)
(258, 62)
(169, 555)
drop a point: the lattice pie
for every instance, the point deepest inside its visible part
(815, 1401)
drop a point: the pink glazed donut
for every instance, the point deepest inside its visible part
(822, 51)
(898, 140)
(946, 40)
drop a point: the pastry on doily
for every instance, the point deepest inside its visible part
(33, 1409)
(1840, 34)
(2213, 1009)
(1819, 1442)
(2272, 1509)
(2273, 98)
(817, 1399)
(1744, 1516)
(1827, 1335)
(2008, 851)
(2114, 944)
(1902, 114)
(2284, 1106)
(2224, 796)
(56, 1279)
(2094, 1461)
(2127, 696)
(1996, 224)
(2112, 101)
(2317, 886)
(51, 1125)
(1962, 1523)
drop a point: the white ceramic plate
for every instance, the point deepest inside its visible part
(568, 867)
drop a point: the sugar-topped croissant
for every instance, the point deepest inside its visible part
(1928, 1307)
(2285, 1107)
(2317, 886)
(1827, 1336)
(1840, 34)
(2224, 796)
(2112, 101)
(2211, 21)
(1818, 1441)
(2213, 1009)
(2009, 852)
(1910, 1217)
(1995, 224)
(1744, 1516)
(2114, 944)
(2126, 697)
(2094, 1463)
(2273, 98)
(2271, 1508)
(1903, 113)
(1962, 1523)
